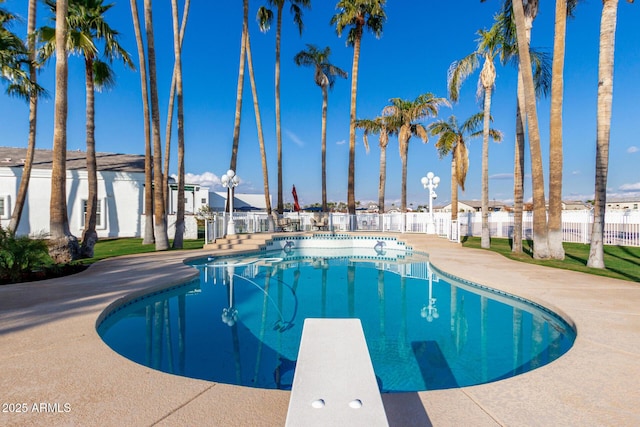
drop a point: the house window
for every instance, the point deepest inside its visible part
(5, 209)
(99, 214)
(204, 202)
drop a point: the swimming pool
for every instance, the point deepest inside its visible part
(240, 322)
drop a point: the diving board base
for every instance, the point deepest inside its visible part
(334, 383)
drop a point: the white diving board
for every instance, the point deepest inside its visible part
(334, 383)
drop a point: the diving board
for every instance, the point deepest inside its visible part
(334, 383)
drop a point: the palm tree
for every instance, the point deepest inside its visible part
(325, 77)
(605, 99)
(509, 52)
(488, 49)
(243, 56)
(452, 139)
(63, 246)
(384, 127)
(87, 25)
(263, 153)
(540, 230)
(265, 17)
(172, 97)
(404, 114)
(178, 34)
(33, 115)
(148, 237)
(358, 15)
(162, 239)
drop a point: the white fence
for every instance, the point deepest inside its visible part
(621, 227)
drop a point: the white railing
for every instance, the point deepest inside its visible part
(621, 227)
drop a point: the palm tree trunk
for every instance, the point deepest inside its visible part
(278, 121)
(63, 246)
(325, 103)
(263, 153)
(518, 169)
(351, 196)
(485, 240)
(236, 122)
(404, 152)
(605, 99)
(89, 237)
(454, 188)
(540, 243)
(148, 237)
(556, 250)
(162, 239)
(383, 178)
(178, 240)
(33, 114)
(172, 95)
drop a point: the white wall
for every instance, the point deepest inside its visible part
(120, 195)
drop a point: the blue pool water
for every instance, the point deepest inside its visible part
(241, 321)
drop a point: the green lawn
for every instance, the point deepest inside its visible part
(127, 246)
(623, 262)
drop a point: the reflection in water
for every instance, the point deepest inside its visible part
(241, 324)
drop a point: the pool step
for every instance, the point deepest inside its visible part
(244, 242)
(334, 383)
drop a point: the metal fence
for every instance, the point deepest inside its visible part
(621, 227)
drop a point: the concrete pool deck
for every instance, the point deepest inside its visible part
(56, 370)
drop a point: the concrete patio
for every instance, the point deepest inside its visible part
(56, 368)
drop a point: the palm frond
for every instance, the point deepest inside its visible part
(458, 72)
(264, 18)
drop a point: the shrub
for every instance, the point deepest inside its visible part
(19, 256)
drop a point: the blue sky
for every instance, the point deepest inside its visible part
(420, 40)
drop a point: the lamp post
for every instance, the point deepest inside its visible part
(431, 182)
(230, 180)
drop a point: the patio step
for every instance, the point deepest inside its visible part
(244, 242)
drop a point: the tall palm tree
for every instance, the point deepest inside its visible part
(172, 97)
(263, 153)
(33, 115)
(178, 34)
(87, 25)
(384, 127)
(325, 77)
(540, 230)
(63, 246)
(603, 130)
(148, 237)
(265, 17)
(509, 53)
(488, 49)
(160, 226)
(358, 15)
(556, 250)
(405, 114)
(452, 139)
(241, 67)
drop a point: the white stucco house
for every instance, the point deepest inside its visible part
(120, 194)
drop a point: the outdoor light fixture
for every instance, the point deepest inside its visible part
(431, 182)
(230, 181)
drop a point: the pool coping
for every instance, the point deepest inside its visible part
(54, 362)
